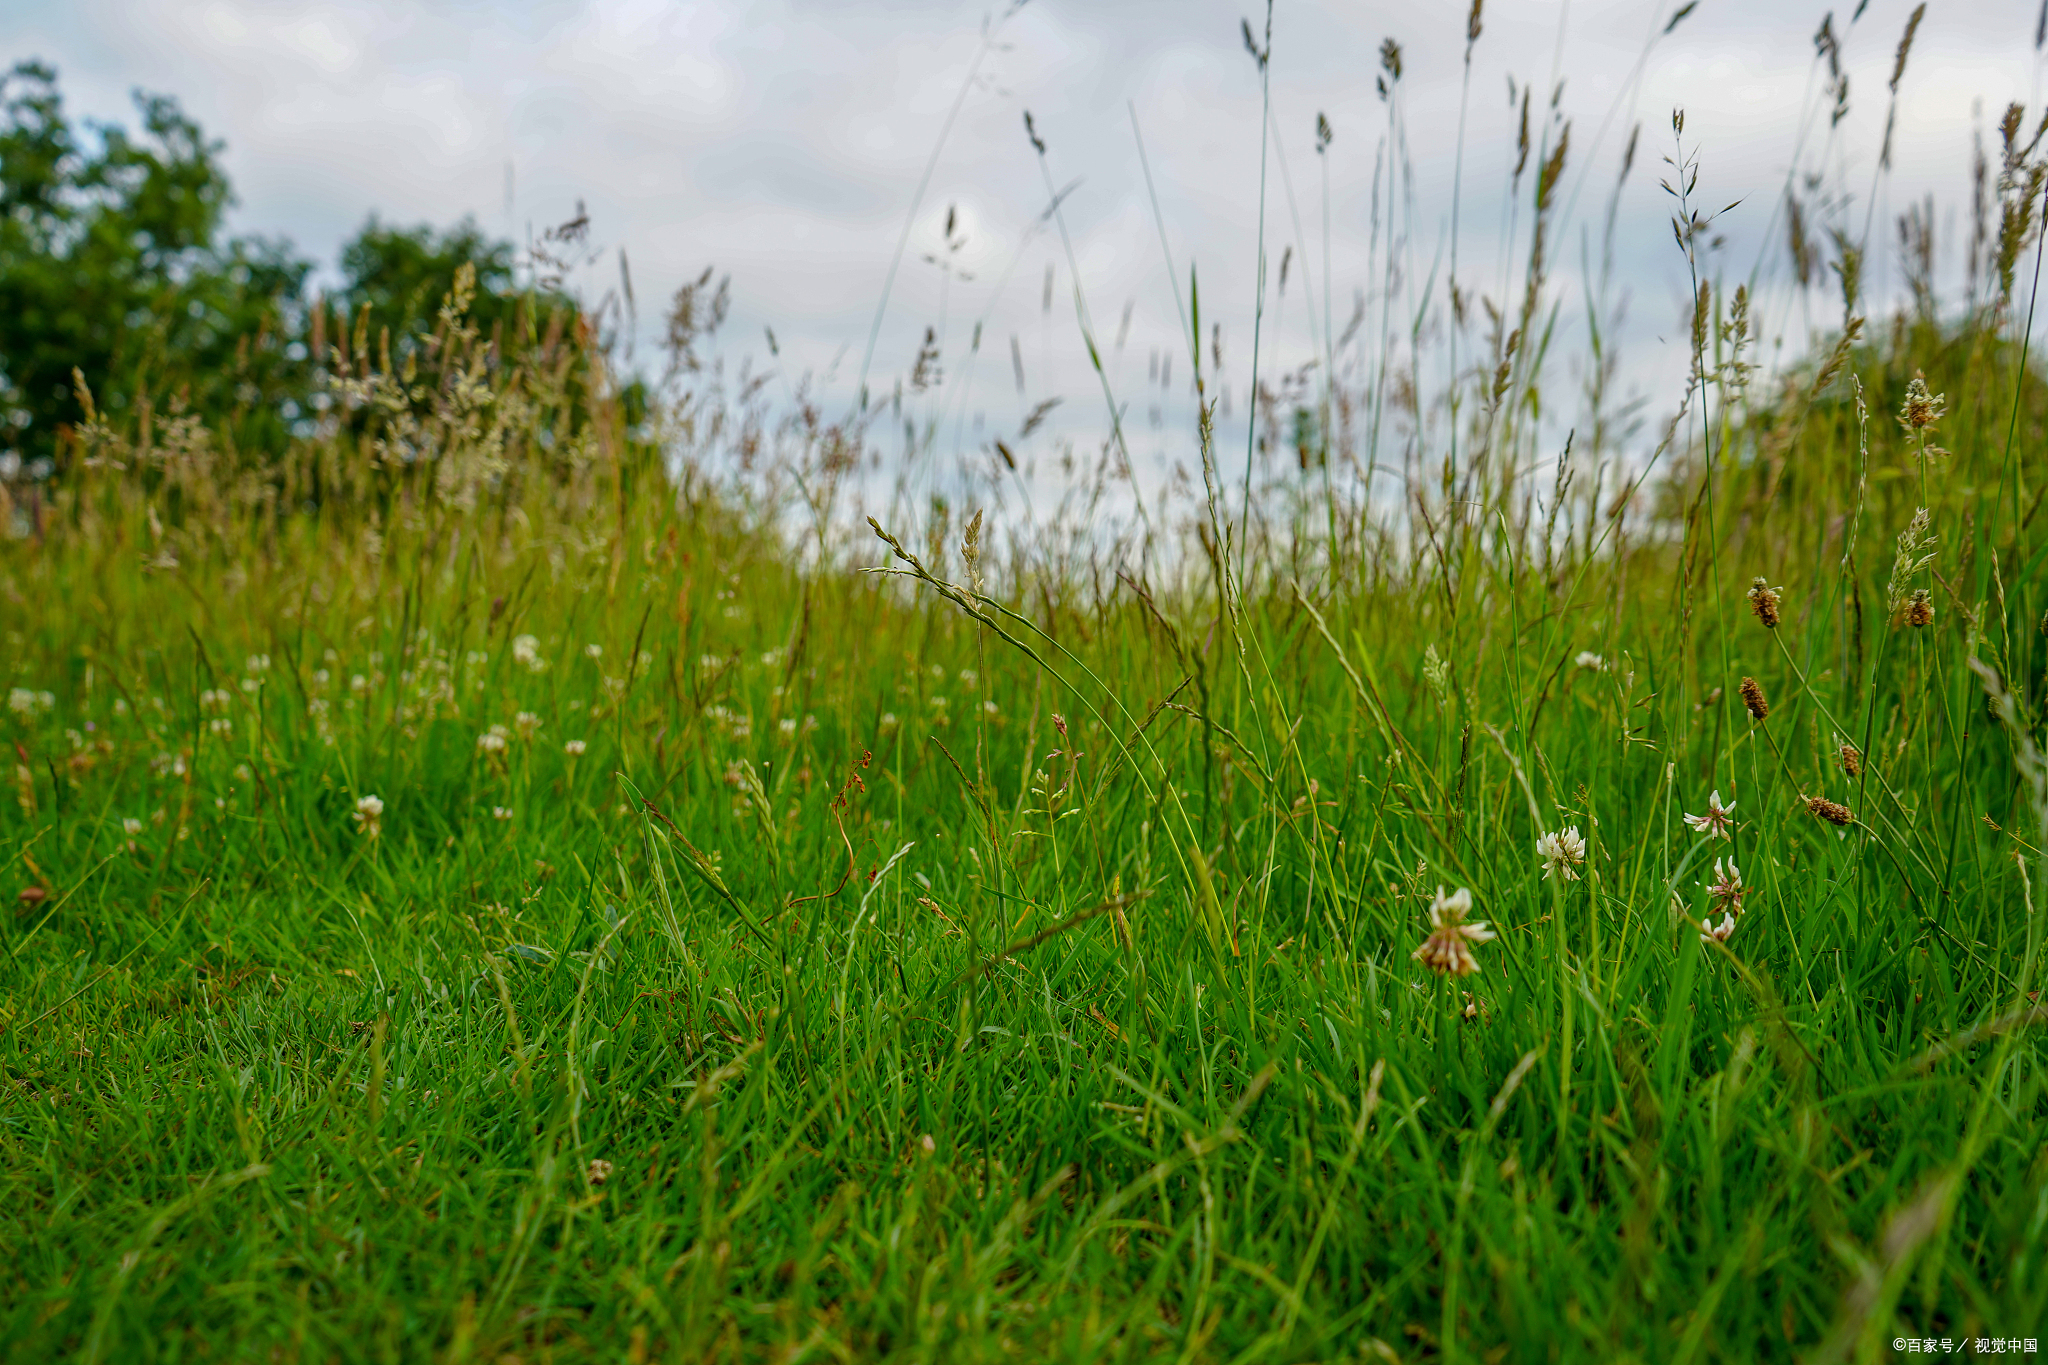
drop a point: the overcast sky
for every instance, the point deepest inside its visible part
(784, 142)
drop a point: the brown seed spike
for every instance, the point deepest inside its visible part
(1920, 610)
(1834, 812)
(1753, 698)
(1763, 600)
(1852, 761)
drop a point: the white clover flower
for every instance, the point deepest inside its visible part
(1727, 889)
(1448, 949)
(492, 741)
(574, 748)
(1716, 820)
(131, 827)
(527, 722)
(526, 653)
(1711, 932)
(252, 685)
(21, 701)
(989, 708)
(594, 651)
(889, 720)
(258, 663)
(1588, 659)
(500, 813)
(1561, 852)
(369, 815)
(787, 725)
(221, 725)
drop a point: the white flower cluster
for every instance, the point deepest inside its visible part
(23, 702)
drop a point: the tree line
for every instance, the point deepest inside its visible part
(117, 267)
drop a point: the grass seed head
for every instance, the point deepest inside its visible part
(1922, 409)
(1763, 600)
(1753, 698)
(1834, 812)
(1920, 609)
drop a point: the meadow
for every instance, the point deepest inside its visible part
(532, 876)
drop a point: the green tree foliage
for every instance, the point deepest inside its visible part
(115, 265)
(403, 274)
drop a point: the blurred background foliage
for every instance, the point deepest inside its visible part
(117, 263)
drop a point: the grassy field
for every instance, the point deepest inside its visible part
(482, 898)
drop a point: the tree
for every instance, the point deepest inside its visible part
(403, 274)
(112, 265)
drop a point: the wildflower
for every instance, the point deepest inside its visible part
(787, 725)
(1588, 659)
(131, 827)
(492, 741)
(501, 813)
(1727, 890)
(526, 653)
(527, 722)
(1763, 600)
(258, 663)
(1561, 851)
(1716, 820)
(1448, 949)
(1852, 760)
(599, 1170)
(889, 721)
(574, 748)
(989, 708)
(1834, 812)
(252, 685)
(221, 725)
(358, 683)
(1753, 698)
(1922, 409)
(1711, 932)
(594, 651)
(1920, 609)
(369, 815)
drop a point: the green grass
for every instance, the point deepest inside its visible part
(906, 972)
